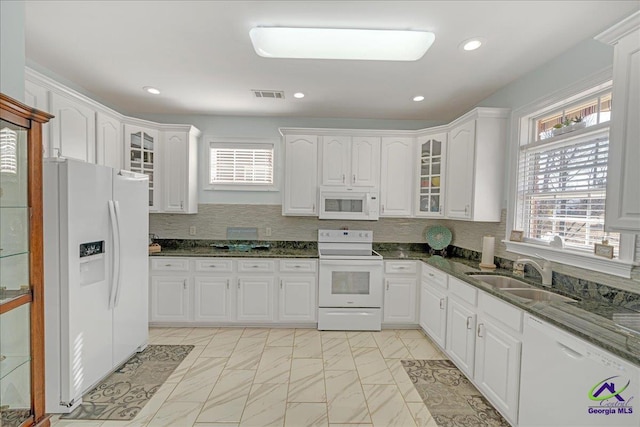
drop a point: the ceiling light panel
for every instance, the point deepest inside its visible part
(327, 43)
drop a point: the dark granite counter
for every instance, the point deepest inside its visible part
(588, 319)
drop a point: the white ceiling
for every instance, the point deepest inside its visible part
(198, 53)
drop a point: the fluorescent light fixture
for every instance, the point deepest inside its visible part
(472, 44)
(418, 98)
(298, 95)
(151, 90)
(333, 43)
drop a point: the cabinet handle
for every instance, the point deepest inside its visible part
(167, 265)
(181, 204)
(440, 209)
(402, 267)
(255, 266)
(184, 284)
(441, 303)
(297, 266)
(313, 209)
(280, 284)
(354, 178)
(480, 326)
(382, 209)
(466, 210)
(227, 283)
(238, 283)
(344, 178)
(212, 265)
(469, 322)
(430, 274)
(387, 285)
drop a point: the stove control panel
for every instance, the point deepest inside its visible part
(345, 236)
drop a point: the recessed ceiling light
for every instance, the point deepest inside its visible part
(334, 43)
(418, 98)
(472, 44)
(151, 90)
(298, 95)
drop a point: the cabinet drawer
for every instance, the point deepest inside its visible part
(400, 267)
(214, 265)
(297, 265)
(170, 264)
(255, 265)
(434, 276)
(463, 291)
(501, 311)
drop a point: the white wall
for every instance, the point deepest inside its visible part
(12, 54)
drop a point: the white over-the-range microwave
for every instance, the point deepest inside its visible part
(357, 203)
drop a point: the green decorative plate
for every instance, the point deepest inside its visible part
(438, 237)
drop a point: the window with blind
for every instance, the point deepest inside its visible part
(562, 176)
(241, 164)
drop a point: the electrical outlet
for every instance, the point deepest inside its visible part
(267, 232)
(192, 230)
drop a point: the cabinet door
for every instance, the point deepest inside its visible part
(460, 344)
(255, 299)
(433, 313)
(212, 299)
(298, 299)
(365, 161)
(175, 179)
(623, 174)
(336, 160)
(400, 300)
(460, 171)
(170, 298)
(108, 141)
(431, 157)
(396, 177)
(301, 175)
(497, 367)
(73, 130)
(38, 97)
(142, 157)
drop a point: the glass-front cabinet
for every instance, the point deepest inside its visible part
(432, 158)
(143, 149)
(21, 280)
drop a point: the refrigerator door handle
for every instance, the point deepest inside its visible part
(118, 254)
(115, 266)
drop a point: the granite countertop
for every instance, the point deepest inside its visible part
(589, 320)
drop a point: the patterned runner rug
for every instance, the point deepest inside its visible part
(450, 396)
(125, 392)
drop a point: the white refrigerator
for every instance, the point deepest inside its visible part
(96, 227)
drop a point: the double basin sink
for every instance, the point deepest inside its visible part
(520, 289)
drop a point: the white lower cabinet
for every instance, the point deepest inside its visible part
(433, 312)
(461, 339)
(212, 300)
(297, 302)
(170, 299)
(255, 299)
(400, 300)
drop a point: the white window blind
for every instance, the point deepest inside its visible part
(246, 165)
(562, 190)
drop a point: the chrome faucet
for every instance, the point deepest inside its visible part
(545, 271)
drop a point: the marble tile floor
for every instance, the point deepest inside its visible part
(286, 377)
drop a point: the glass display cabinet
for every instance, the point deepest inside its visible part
(21, 266)
(431, 185)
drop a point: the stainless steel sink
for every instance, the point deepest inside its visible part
(501, 281)
(537, 295)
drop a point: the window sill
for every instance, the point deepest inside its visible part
(240, 187)
(587, 261)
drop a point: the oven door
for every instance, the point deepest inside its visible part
(350, 283)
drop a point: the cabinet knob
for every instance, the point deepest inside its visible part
(354, 178)
(382, 209)
(181, 204)
(344, 178)
(469, 319)
(184, 284)
(441, 303)
(167, 265)
(280, 284)
(313, 208)
(480, 326)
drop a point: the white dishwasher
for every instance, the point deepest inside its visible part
(567, 382)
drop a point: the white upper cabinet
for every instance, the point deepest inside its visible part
(396, 183)
(475, 165)
(180, 172)
(38, 97)
(73, 130)
(108, 141)
(623, 174)
(431, 162)
(350, 162)
(300, 196)
(141, 145)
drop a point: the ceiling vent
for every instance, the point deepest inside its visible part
(274, 94)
